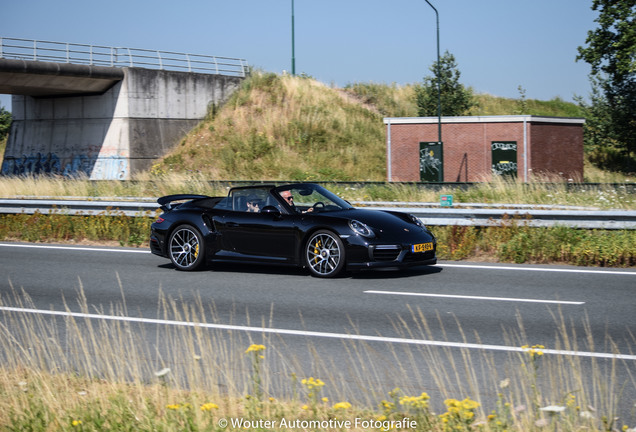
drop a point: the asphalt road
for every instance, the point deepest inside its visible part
(584, 315)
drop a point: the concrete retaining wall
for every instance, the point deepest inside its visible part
(115, 134)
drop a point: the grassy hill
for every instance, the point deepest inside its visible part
(282, 127)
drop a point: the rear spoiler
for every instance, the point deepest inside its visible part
(165, 202)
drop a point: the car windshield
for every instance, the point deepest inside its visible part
(311, 197)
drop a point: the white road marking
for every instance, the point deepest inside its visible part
(75, 248)
(540, 269)
(399, 293)
(289, 332)
(473, 266)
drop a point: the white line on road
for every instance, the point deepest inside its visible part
(470, 266)
(76, 248)
(289, 332)
(540, 269)
(399, 293)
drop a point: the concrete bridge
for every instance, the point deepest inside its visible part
(104, 112)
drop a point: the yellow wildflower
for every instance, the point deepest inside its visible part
(342, 405)
(312, 383)
(255, 348)
(420, 401)
(209, 406)
(534, 350)
(76, 423)
(469, 404)
(387, 406)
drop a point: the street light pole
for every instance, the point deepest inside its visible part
(293, 65)
(439, 88)
(439, 98)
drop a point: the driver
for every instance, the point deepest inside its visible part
(289, 198)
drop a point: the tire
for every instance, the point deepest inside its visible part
(325, 254)
(186, 248)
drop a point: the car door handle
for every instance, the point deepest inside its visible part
(232, 224)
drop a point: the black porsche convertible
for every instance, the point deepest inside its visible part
(300, 224)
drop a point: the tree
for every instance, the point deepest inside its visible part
(5, 123)
(611, 52)
(455, 98)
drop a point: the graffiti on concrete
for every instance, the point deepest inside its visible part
(94, 167)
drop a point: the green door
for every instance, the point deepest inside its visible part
(504, 158)
(431, 162)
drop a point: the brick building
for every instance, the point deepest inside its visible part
(477, 148)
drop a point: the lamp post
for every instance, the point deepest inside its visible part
(439, 88)
(293, 61)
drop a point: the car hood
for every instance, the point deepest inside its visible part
(384, 224)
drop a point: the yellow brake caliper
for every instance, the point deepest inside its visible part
(317, 251)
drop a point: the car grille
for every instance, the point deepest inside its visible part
(386, 252)
(415, 257)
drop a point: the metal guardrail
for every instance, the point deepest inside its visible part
(477, 215)
(97, 55)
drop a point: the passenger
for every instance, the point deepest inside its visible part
(253, 204)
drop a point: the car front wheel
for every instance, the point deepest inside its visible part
(325, 254)
(186, 248)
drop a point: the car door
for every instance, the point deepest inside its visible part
(263, 235)
(266, 236)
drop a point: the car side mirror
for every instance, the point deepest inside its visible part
(271, 210)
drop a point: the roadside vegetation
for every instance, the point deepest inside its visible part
(512, 241)
(92, 375)
(283, 127)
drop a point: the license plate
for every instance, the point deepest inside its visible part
(422, 247)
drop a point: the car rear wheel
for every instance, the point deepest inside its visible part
(325, 254)
(186, 248)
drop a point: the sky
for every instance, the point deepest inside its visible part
(498, 45)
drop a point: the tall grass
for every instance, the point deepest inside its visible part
(3, 146)
(284, 127)
(515, 242)
(499, 191)
(105, 228)
(86, 373)
(393, 100)
(390, 100)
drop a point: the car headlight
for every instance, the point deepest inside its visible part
(361, 228)
(417, 221)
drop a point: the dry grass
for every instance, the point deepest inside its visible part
(106, 374)
(284, 127)
(541, 192)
